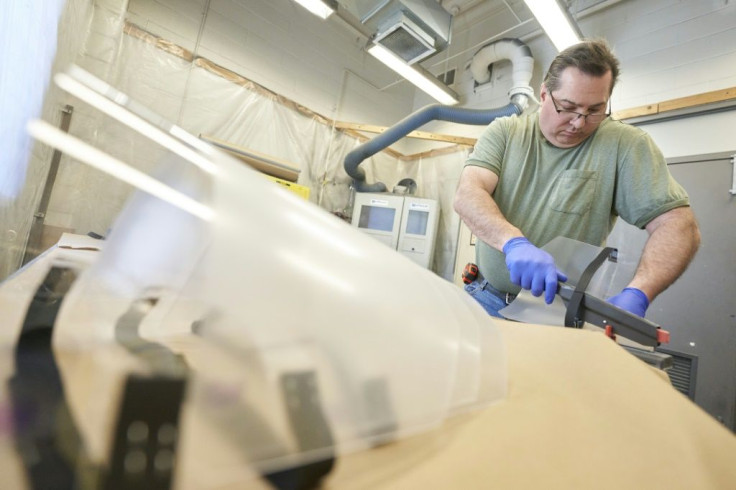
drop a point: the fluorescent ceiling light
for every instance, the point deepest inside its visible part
(416, 75)
(318, 7)
(560, 29)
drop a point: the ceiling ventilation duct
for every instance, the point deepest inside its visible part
(411, 29)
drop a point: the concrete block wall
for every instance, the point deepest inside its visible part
(669, 49)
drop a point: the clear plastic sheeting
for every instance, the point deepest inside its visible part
(438, 177)
(307, 339)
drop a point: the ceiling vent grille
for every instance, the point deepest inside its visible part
(407, 40)
(411, 29)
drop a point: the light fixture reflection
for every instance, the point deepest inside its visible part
(313, 270)
(133, 121)
(329, 235)
(95, 158)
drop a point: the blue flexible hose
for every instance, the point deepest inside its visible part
(435, 112)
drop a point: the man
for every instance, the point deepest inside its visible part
(569, 170)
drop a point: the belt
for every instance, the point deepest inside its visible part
(505, 297)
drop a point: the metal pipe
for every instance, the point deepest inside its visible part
(33, 244)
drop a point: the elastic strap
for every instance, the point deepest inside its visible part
(573, 314)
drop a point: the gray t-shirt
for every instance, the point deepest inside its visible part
(576, 192)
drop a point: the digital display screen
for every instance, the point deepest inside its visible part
(417, 222)
(377, 218)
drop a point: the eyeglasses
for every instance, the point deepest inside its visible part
(593, 118)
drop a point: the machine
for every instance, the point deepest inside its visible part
(407, 224)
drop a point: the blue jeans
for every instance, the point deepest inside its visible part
(490, 298)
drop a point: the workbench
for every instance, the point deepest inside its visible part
(580, 412)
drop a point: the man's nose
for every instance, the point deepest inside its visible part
(579, 121)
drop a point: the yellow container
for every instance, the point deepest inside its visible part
(297, 189)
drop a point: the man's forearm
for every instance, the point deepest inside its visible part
(479, 211)
(674, 238)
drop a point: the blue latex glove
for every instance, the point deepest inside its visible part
(532, 268)
(632, 300)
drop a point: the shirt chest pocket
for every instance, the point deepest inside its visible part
(573, 191)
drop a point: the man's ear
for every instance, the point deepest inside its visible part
(543, 92)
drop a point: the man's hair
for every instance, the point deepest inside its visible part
(593, 57)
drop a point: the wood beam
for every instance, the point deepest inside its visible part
(368, 128)
(715, 96)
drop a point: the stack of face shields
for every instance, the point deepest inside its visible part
(298, 337)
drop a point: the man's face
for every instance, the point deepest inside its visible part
(577, 92)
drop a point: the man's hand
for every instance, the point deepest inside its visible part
(632, 300)
(532, 268)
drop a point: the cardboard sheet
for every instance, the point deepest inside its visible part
(581, 413)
